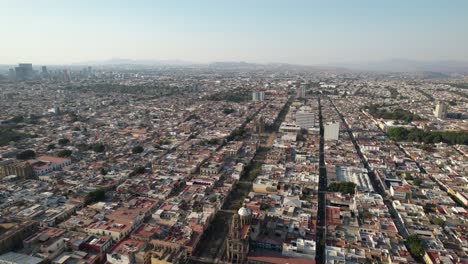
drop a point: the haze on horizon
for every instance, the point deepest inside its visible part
(293, 31)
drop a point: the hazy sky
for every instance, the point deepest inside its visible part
(292, 31)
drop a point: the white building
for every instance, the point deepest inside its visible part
(300, 92)
(305, 119)
(258, 96)
(45, 164)
(299, 248)
(440, 110)
(335, 255)
(331, 130)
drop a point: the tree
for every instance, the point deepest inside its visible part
(417, 181)
(50, 146)
(438, 221)
(16, 119)
(103, 171)
(63, 141)
(300, 137)
(430, 208)
(228, 111)
(414, 244)
(27, 154)
(343, 187)
(418, 135)
(197, 207)
(64, 153)
(98, 147)
(192, 116)
(8, 134)
(138, 170)
(137, 149)
(95, 196)
(264, 206)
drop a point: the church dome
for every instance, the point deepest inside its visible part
(244, 211)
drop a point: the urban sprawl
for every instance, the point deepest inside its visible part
(232, 163)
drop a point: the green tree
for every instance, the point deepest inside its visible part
(343, 187)
(27, 154)
(98, 147)
(8, 135)
(64, 153)
(138, 170)
(137, 149)
(438, 221)
(95, 196)
(50, 146)
(63, 141)
(228, 111)
(417, 182)
(415, 246)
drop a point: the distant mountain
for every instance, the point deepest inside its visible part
(122, 61)
(403, 65)
(430, 68)
(234, 65)
(231, 65)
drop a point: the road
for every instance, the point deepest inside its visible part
(212, 244)
(376, 181)
(321, 230)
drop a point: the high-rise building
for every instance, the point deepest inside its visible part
(261, 96)
(258, 96)
(11, 74)
(440, 110)
(331, 131)
(66, 75)
(300, 92)
(44, 72)
(24, 72)
(254, 96)
(305, 119)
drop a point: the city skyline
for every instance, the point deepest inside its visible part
(298, 32)
(234, 132)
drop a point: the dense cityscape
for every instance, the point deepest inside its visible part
(232, 163)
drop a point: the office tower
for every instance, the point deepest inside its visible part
(11, 74)
(331, 131)
(66, 75)
(258, 96)
(261, 96)
(24, 72)
(300, 92)
(254, 96)
(44, 72)
(305, 119)
(440, 110)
